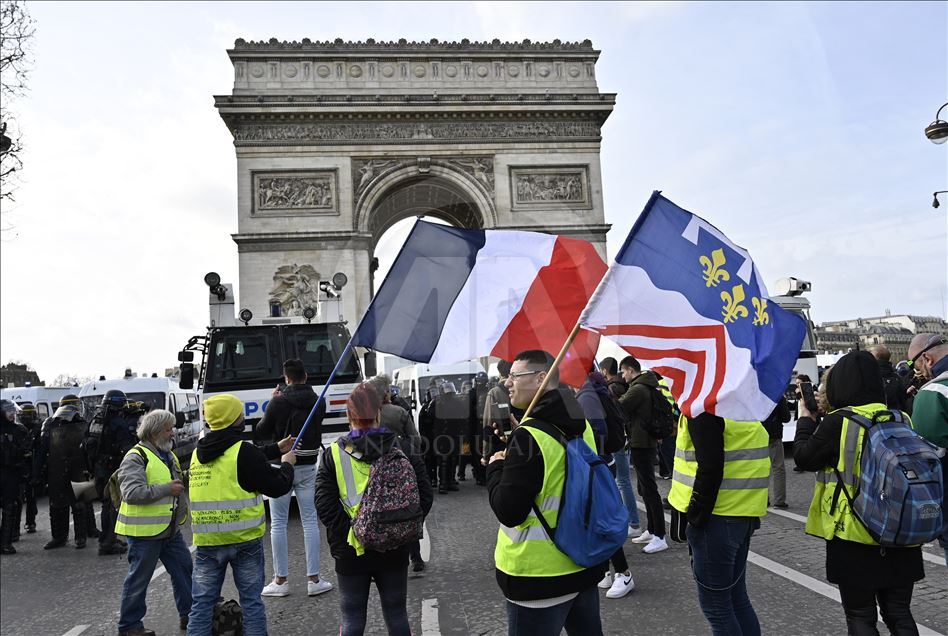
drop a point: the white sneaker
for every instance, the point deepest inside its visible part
(606, 581)
(319, 587)
(645, 537)
(276, 589)
(622, 586)
(634, 531)
(657, 544)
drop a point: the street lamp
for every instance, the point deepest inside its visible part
(937, 131)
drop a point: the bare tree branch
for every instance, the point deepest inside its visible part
(16, 33)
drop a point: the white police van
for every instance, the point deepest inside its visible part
(45, 398)
(156, 393)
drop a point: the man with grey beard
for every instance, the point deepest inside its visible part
(154, 507)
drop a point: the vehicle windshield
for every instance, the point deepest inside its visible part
(153, 400)
(319, 349)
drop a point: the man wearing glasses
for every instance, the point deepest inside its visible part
(928, 353)
(545, 590)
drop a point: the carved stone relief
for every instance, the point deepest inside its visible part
(291, 192)
(365, 171)
(295, 287)
(398, 132)
(553, 186)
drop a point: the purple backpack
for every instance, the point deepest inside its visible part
(390, 515)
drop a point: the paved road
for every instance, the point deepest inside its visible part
(74, 592)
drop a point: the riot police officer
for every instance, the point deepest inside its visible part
(111, 434)
(30, 421)
(14, 446)
(61, 459)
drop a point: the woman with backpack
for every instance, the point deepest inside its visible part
(865, 572)
(347, 502)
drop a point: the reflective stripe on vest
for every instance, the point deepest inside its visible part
(526, 550)
(743, 491)
(352, 478)
(830, 515)
(223, 513)
(149, 520)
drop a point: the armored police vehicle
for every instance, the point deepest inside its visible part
(244, 356)
(154, 393)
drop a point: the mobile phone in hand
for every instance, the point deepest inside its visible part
(809, 399)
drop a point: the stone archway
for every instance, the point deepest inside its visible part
(337, 141)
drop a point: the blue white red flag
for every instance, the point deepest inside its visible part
(455, 294)
(688, 303)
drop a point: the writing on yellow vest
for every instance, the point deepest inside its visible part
(149, 520)
(526, 550)
(830, 514)
(352, 478)
(743, 491)
(222, 512)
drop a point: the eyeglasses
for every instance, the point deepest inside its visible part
(519, 374)
(937, 342)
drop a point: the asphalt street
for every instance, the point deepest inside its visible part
(72, 592)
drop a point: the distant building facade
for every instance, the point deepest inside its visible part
(895, 332)
(12, 374)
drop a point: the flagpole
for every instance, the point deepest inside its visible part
(556, 364)
(332, 376)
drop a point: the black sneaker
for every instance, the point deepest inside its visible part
(80, 544)
(115, 548)
(183, 623)
(782, 506)
(8, 549)
(418, 566)
(52, 545)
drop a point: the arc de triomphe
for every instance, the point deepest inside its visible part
(337, 141)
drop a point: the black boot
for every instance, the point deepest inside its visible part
(7, 519)
(79, 524)
(92, 531)
(59, 527)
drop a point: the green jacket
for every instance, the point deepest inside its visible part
(637, 404)
(930, 411)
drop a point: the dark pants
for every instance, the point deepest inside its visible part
(580, 617)
(719, 561)
(618, 560)
(447, 469)
(666, 456)
(894, 602)
(59, 521)
(354, 600)
(143, 557)
(642, 462)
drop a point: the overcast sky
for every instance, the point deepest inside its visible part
(796, 128)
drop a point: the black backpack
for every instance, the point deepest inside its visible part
(616, 423)
(228, 619)
(663, 421)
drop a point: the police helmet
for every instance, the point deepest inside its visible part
(480, 378)
(7, 407)
(115, 399)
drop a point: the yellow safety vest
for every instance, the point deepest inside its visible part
(830, 515)
(743, 490)
(526, 550)
(352, 478)
(149, 520)
(222, 512)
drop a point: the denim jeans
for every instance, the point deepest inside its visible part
(719, 562)
(210, 565)
(624, 481)
(143, 556)
(304, 484)
(580, 617)
(392, 585)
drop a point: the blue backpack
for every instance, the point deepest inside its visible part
(592, 522)
(900, 494)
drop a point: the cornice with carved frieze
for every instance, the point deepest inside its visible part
(403, 46)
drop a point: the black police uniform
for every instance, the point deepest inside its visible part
(14, 447)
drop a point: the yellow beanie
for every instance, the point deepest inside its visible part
(221, 411)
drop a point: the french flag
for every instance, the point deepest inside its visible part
(454, 294)
(689, 303)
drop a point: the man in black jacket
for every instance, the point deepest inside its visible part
(778, 471)
(285, 415)
(545, 590)
(895, 395)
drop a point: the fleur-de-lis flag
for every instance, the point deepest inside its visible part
(690, 304)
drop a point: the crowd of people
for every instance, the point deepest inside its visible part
(372, 488)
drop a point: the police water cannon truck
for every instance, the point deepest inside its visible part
(243, 355)
(789, 295)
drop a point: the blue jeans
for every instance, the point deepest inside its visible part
(304, 484)
(624, 481)
(210, 565)
(143, 556)
(580, 617)
(392, 585)
(719, 562)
